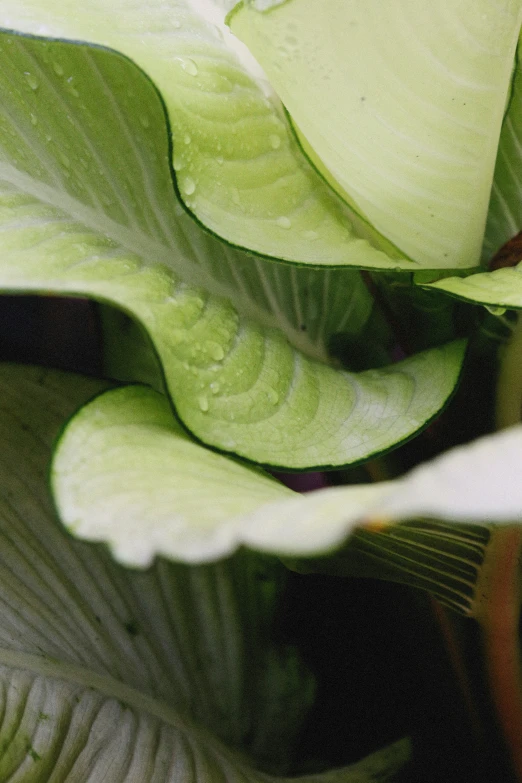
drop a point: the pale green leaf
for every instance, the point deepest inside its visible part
(238, 166)
(87, 207)
(124, 676)
(505, 207)
(403, 104)
(501, 288)
(124, 472)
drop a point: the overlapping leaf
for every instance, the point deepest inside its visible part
(238, 166)
(402, 104)
(132, 677)
(125, 473)
(505, 208)
(87, 206)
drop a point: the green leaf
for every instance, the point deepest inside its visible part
(125, 473)
(402, 103)
(238, 166)
(87, 207)
(505, 207)
(501, 288)
(132, 677)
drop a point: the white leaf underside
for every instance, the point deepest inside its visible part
(125, 473)
(122, 676)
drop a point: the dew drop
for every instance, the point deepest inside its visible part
(215, 387)
(178, 163)
(217, 352)
(275, 141)
(495, 310)
(144, 120)
(65, 160)
(31, 80)
(273, 396)
(189, 66)
(186, 139)
(71, 88)
(310, 235)
(284, 222)
(189, 186)
(203, 403)
(34, 119)
(58, 69)
(220, 160)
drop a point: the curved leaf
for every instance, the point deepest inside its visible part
(125, 473)
(74, 219)
(238, 166)
(132, 677)
(401, 102)
(499, 288)
(505, 207)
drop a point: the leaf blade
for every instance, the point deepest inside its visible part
(239, 168)
(122, 675)
(89, 235)
(412, 119)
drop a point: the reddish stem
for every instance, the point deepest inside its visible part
(499, 597)
(509, 254)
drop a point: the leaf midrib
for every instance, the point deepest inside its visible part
(138, 243)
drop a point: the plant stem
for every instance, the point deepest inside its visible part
(508, 405)
(499, 596)
(453, 646)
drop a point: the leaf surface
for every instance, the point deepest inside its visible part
(124, 676)
(238, 166)
(505, 207)
(500, 288)
(402, 103)
(87, 207)
(125, 473)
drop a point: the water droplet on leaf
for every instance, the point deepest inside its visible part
(58, 69)
(189, 186)
(284, 222)
(31, 80)
(203, 403)
(189, 66)
(275, 141)
(495, 310)
(217, 352)
(273, 396)
(145, 121)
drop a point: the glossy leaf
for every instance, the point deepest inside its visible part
(125, 473)
(238, 167)
(87, 207)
